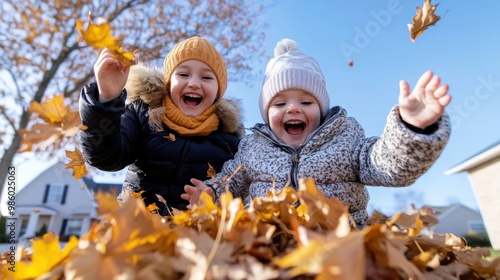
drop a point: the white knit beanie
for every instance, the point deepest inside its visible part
(292, 69)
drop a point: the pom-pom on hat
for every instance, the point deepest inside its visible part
(200, 49)
(292, 69)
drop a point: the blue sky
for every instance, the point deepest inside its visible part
(463, 49)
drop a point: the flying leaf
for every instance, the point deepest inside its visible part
(99, 36)
(77, 163)
(170, 136)
(211, 173)
(424, 18)
(60, 122)
(152, 208)
(51, 111)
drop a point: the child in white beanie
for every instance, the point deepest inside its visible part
(304, 137)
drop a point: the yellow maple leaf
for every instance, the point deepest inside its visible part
(46, 256)
(137, 194)
(77, 164)
(52, 110)
(60, 122)
(152, 207)
(424, 18)
(98, 35)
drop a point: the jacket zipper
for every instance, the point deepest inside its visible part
(295, 153)
(183, 156)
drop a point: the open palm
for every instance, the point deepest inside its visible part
(426, 103)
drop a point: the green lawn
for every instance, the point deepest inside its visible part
(495, 253)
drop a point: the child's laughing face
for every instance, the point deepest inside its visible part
(193, 87)
(293, 116)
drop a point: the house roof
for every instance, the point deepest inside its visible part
(443, 211)
(94, 187)
(482, 156)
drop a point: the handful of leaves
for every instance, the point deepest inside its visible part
(98, 35)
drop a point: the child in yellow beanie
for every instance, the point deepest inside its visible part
(166, 127)
(303, 137)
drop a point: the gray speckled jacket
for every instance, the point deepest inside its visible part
(338, 156)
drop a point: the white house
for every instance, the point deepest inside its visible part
(457, 219)
(483, 170)
(57, 200)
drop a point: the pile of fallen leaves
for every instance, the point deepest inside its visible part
(272, 239)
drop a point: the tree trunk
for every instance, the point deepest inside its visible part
(8, 156)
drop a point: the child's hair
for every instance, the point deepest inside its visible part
(292, 69)
(200, 49)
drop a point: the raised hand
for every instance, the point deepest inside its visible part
(193, 192)
(426, 103)
(111, 75)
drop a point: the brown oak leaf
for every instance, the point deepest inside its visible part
(424, 18)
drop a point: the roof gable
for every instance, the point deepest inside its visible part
(488, 153)
(94, 187)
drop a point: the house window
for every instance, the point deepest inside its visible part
(74, 227)
(476, 226)
(24, 226)
(55, 193)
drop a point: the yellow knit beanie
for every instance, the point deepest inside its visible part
(200, 49)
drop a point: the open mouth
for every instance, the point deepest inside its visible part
(294, 127)
(192, 99)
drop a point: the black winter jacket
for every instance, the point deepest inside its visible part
(119, 135)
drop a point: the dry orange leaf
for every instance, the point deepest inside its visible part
(47, 254)
(170, 136)
(424, 18)
(99, 36)
(77, 163)
(152, 207)
(52, 110)
(60, 120)
(136, 194)
(211, 171)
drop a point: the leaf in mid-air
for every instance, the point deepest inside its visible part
(98, 35)
(77, 163)
(211, 173)
(424, 18)
(60, 122)
(52, 110)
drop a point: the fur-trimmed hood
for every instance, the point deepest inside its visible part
(148, 84)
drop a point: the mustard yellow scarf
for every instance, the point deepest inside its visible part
(201, 125)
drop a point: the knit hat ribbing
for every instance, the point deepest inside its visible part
(292, 69)
(200, 49)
